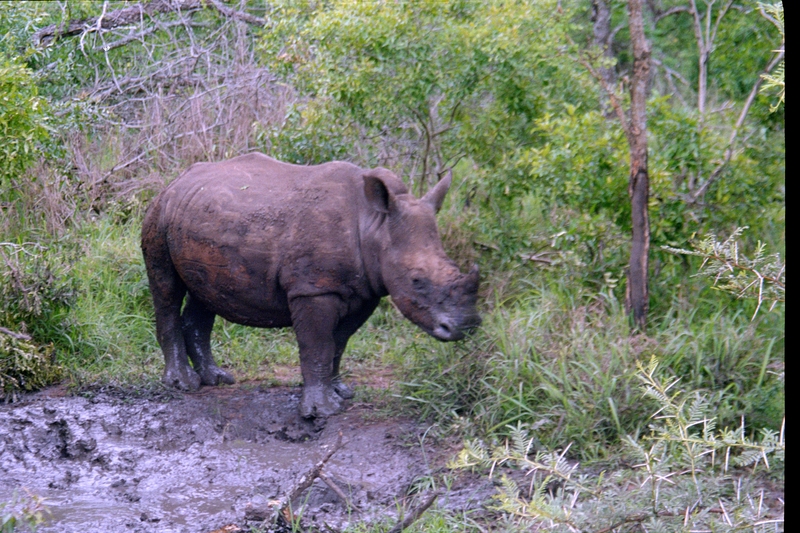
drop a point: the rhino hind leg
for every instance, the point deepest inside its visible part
(197, 323)
(344, 330)
(177, 371)
(339, 386)
(342, 389)
(168, 291)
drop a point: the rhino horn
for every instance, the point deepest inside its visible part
(435, 197)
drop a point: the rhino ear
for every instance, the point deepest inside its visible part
(377, 194)
(435, 196)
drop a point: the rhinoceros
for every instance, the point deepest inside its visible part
(269, 244)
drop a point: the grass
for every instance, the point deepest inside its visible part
(563, 363)
(112, 316)
(553, 357)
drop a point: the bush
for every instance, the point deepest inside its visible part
(680, 481)
(23, 124)
(36, 292)
(24, 365)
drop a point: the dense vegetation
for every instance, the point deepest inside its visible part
(517, 98)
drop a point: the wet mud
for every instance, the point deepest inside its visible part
(204, 461)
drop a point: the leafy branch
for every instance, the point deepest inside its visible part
(685, 421)
(670, 489)
(762, 277)
(550, 472)
(774, 14)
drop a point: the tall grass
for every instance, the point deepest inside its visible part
(561, 361)
(112, 316)
(554, 354)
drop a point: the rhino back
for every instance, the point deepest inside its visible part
(248, 234)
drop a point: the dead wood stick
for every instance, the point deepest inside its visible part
(335, 488)
(113, 19)
(132, 15)
(415, 514)
(305, 481)
(14, 334)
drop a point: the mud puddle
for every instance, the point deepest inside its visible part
(199, 462)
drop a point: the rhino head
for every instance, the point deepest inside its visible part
(424, 283)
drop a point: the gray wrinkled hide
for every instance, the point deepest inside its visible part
(268, 244)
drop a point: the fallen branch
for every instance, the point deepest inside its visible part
(415, 513)
(335, 488)
(282, 506)
(133, 15)
(15, 335)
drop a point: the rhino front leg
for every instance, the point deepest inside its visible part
(314, 320)
(197, 324)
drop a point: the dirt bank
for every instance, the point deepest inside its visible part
(202, 461)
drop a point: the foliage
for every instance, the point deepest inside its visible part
(560, 358)
(762, 278)
(23, 124)
(26, 510)
(425, 82)
(676, 485)
(36, 291)
(774, 13)
(414, 88)
(24, 365)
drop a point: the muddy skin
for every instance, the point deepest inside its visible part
(268, 244)
(196, 463)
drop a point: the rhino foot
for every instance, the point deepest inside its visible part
(214, 375)
(183, 379)
(320, 401)
(344, 392)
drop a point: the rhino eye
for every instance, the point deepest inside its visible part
(419, 284)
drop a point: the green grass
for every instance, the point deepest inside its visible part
(562, 362)
(555, 356)
(112, 316)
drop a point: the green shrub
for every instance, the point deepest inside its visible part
(23, 124)
(24, 365)
(559, 357)
(36, 292)
(680, 481)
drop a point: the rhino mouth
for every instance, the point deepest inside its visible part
(448, 329)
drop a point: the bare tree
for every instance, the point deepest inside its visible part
(706, 23)
(637, 293)
(634, 123)
(174, 87)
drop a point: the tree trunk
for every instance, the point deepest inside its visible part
(601, 30)
(638, 188)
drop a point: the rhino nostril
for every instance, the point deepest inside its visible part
(445, 327)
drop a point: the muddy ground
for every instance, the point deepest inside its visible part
(204, 461)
